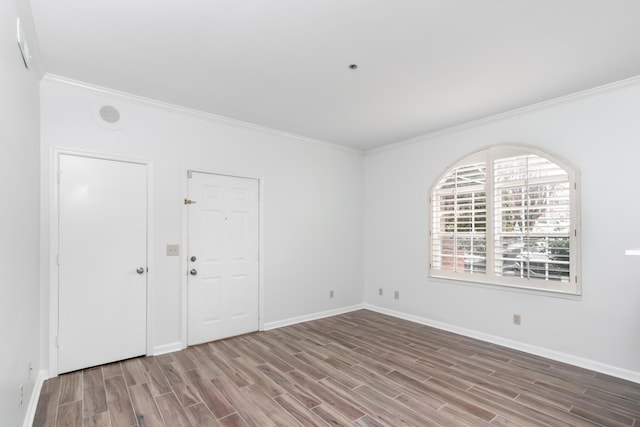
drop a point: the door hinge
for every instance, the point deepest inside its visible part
(58, 259)
(59, 176)
(189, 202)
(189, 174)
(57, 341)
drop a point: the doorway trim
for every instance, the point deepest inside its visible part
(54, 234)
(184, 244)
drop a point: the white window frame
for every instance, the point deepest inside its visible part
(488, 155)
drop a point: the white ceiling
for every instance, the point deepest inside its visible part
(423, 65)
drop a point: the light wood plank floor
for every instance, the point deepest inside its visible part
(361, 368)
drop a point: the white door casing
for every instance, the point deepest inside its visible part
(223, 257)
(102, 256)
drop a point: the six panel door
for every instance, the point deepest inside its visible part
(223, 224)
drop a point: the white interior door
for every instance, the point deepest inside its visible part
(102, 283)
(223, 224)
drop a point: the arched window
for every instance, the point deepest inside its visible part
(507, 215)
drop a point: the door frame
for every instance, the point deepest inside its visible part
(184, 264)
(54, 235)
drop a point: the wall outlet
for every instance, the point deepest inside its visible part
(517, 319)
(330, 294)
(396, 294)
(29, 371)
(173, 250)
(380, 291)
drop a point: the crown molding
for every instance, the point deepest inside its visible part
(193, 112)
(508, 114)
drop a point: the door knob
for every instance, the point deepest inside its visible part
(193, 259)
(193, 272)
(140, 270)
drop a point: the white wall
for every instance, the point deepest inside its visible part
(19, 223)
(598, 133)
(312, 206)
(313, 210)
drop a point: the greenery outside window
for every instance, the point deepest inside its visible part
(507, 215)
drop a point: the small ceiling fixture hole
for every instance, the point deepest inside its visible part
(353, 66)
(109, 113)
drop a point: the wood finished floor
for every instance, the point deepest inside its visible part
(361, 368)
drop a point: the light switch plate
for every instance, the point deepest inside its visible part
(173, 250)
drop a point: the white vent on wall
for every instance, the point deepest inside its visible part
(109, 115)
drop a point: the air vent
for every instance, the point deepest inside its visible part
(109, 114)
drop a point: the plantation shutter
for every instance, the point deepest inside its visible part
(532, 218)
(459, 221)
(508, 215)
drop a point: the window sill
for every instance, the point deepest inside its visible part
(505, 288)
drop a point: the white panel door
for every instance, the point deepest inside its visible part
(223, 224)
(102, 283)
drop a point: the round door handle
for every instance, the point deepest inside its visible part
(193, 272)
(140, 270)
(194, 259)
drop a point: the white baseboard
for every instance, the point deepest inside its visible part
(35, 396)
(167, 348)
(516, 345)
(309, 317)
(177, 346)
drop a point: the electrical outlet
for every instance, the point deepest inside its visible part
(396, 295)
(29, 371)
(20, 396)
(330, 294)
(173, 250)
(517, 319)
(380, 291)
